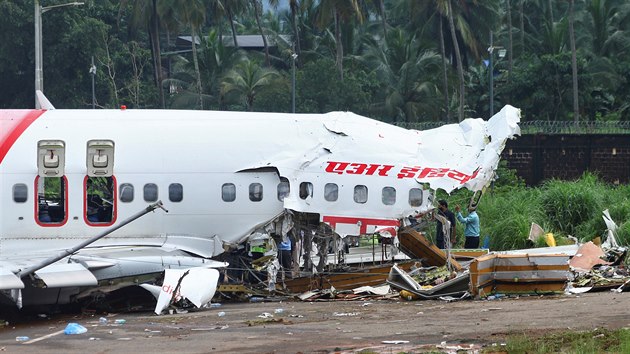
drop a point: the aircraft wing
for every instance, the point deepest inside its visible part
(89, 266)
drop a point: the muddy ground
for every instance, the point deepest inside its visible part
(323, 327)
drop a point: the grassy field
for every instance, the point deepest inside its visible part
(595, 341)
(508, 208)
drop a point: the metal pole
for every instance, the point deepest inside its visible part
(39, 82)
(65, 253)
(39, 58)
(293, 57)
(93, 72)
(491, 66)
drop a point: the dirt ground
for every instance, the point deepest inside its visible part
(384, 326)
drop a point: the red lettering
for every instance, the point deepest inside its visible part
(358, 169)
(462, 177)
(408, 172)
(433, 172)
(385, 170)
(336, 167)
(371, 169)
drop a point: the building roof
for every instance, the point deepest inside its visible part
(246, 41)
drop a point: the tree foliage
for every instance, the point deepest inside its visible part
(391, 60)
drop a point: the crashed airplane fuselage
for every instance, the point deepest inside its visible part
(68, 175)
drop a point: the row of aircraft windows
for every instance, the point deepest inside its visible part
(150, 191)
(100, 198)
(228, 192)
(331, 193)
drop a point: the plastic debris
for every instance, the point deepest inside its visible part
(279, 311)
(21, 338)
(337, 314)
(74, 328)
(221, 314)
(395, 341)
(102, 320)
(120, 321)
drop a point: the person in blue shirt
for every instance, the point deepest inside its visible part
(285, 257)
(471, 227)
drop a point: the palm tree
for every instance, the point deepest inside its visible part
(338, 11)
(232, 9)
(460, 69)
(576, 107)
(190, 14)
(247, 80)
(510, 48)
(257, 7)
(215, 61)
(407, 71)
(145, 13)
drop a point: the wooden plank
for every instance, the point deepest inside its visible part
(416, 246)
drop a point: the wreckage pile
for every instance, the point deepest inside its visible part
(432, 274)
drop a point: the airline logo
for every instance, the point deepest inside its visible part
(355, 168)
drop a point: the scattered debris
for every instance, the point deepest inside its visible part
(435, 284)
(518, 274)
(344, 314)
(74, 328)
(395, 341)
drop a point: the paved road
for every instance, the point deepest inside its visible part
(305, 327)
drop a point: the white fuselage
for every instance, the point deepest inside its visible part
(202, 151)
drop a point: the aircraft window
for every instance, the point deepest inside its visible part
(283, 188)
(331, 192)
(228, 192)
(99, 200)
(306, 190)
(389, 195)
(51, 204)
(20, 193)
(415, 197)
(150, 192)
(126, 192)
(255, 192)
(175, 192)
(360, 194)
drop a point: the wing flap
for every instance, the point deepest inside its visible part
(8, 280)
(67, 274)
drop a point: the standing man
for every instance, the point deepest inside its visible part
(471, 226)
(439, 232)
(285, 256)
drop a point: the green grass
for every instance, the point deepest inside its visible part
(595, 341)
(561, 207)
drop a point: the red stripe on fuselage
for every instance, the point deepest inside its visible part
(334, 220)
(12, 124)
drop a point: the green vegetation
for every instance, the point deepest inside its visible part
(564, 208)
(402, 61)
(595, 341)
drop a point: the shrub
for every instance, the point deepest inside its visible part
(567, 205)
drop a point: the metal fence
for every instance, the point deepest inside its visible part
(547, 127)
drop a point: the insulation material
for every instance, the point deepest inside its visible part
(518, 274)
(587, 256)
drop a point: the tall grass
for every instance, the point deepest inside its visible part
(561, 207)
(595, 341)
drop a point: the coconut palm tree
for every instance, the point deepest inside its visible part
(338, 11)
(145, 14)
(407, 71)
(247, 80)
(189, 14)
(576, 106)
